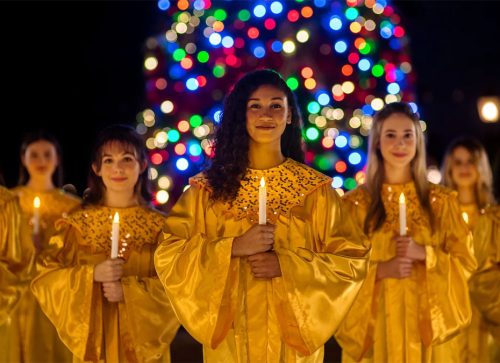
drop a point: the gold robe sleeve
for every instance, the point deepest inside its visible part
(449, 263)
(355, 334)
(147, 306)
(484, 283)
(69, 297)
(324, 278)
(188, 264)
(11, 288)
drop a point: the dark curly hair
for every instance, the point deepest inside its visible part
(130, 140)
(32, 137)
(231, 142)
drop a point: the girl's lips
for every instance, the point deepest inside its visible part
(118, 179)
(398, 155)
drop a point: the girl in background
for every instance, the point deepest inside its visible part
(467, 170)
(415, 296)
(109, 309)
(40, 177)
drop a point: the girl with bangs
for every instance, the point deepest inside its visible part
(415, 296)
(466, 169)
(109, 309)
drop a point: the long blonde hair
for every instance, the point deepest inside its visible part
(375, 173)
(483, 186)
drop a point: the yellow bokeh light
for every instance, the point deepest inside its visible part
(153, 173)
(181, 28)
(355, 27)
(348, 87)
(377, 104)
(423, 125)
(310, 83)
(355, 122)
(161, 137)
(167, 106)
(302, 36)
(320, 121)
(162, 196)
(337, 90)
(150, 63)
(164, 182)
(338, 114)
(150, 143)
(288, 47)
(171, 36)
(391, 98)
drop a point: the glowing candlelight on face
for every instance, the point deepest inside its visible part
(115, 234)
(465, 216)
(402, 215)
(262, 201)
(36, 215)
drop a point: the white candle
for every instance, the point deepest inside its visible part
(115, 235)
(465, 216)
(262, 201)
(36, 215)
(402, 215)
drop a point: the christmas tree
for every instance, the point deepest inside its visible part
(344, 61)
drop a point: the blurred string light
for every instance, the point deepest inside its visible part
(344, 60)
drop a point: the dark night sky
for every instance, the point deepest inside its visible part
(74, 67)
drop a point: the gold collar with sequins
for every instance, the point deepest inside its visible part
(288, 185)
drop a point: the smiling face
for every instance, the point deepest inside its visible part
(267, 115)
(398, 144)
(40, 159)
(464, 172)
(119, 167)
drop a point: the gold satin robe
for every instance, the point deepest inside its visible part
(10, 253)
(239, 318)
(138, 329)
(34, 336)
(404, 320)
(11, 267)
(485, 286)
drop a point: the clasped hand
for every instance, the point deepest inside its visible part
(400, 267)
(109, 274)
(257, 244)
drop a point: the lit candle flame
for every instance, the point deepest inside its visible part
(465, 216)
(116, 218)
(402, 198)
(262, 182)
(36, 202)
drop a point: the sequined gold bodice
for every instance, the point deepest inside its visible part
(287, 185)
(139, 226)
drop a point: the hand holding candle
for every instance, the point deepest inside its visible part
(115, 235)
(262, 202)
(36, 215)
(402, 215)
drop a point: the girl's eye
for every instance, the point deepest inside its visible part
(276, 106)
(107, 161)
(390, 136)
(254, 105)
(409, 135)
(128, 159)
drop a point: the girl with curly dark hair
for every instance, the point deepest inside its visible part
(270, 292)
